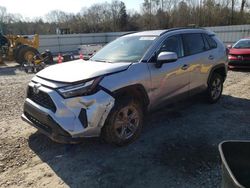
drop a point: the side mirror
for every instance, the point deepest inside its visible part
(165, 57)
(229, 46)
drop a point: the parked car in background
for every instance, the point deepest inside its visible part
(239, 54)
(137, 73)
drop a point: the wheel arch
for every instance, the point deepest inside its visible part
(220, 69)
(136, 91)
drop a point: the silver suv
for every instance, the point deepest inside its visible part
(136, 73)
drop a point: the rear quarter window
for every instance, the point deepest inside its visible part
(212, 43)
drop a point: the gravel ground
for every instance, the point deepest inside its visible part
(178, 146)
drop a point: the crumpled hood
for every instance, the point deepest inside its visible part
(78, 70)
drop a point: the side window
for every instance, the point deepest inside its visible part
(193, 43)
(207, 46)
(211, 41)
(173, 44)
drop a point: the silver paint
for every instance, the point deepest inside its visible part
(160, 84)
(97, 107)
(79, 70)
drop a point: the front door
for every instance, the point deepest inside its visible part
(172, 79)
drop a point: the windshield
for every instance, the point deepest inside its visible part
(124, 49)
(242, 44)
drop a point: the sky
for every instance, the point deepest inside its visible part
(39, 8)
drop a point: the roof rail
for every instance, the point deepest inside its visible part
(129, 32)
(179, 28)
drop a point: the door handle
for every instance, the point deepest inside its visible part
(211, 57)
(185, 67)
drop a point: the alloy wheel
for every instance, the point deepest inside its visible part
(216, 88)
(126, 122)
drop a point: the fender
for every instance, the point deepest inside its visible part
(136, 90)
(220, 67)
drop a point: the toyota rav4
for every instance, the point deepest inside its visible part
(109, 94)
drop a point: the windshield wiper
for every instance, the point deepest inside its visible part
(98, 60)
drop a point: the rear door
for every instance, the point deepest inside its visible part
(199, 57)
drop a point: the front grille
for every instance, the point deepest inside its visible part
(246, 55)
(38, 123)
(41, 98)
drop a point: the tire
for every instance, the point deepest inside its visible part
(17, 50)
(116, 129)
(26, 54)
(215, 88)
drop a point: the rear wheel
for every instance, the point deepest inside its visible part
(215, 88)
(26, 54)
(124, 123)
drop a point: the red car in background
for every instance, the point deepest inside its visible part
(239, 54)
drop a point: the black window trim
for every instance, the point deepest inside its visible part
(203, 42)
(179, 40)
(210, 36)
(156, 52)
(206, 41)
(182, 45)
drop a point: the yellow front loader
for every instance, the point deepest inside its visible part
(19, 48)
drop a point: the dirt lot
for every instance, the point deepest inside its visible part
(178, 146)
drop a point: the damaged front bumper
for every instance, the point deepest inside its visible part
(72, 119)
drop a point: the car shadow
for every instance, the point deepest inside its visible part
(177, 148)
(8, 71)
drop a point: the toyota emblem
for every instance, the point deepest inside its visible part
(36, 88)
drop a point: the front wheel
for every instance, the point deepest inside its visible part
(215, 88)
(124, 123)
